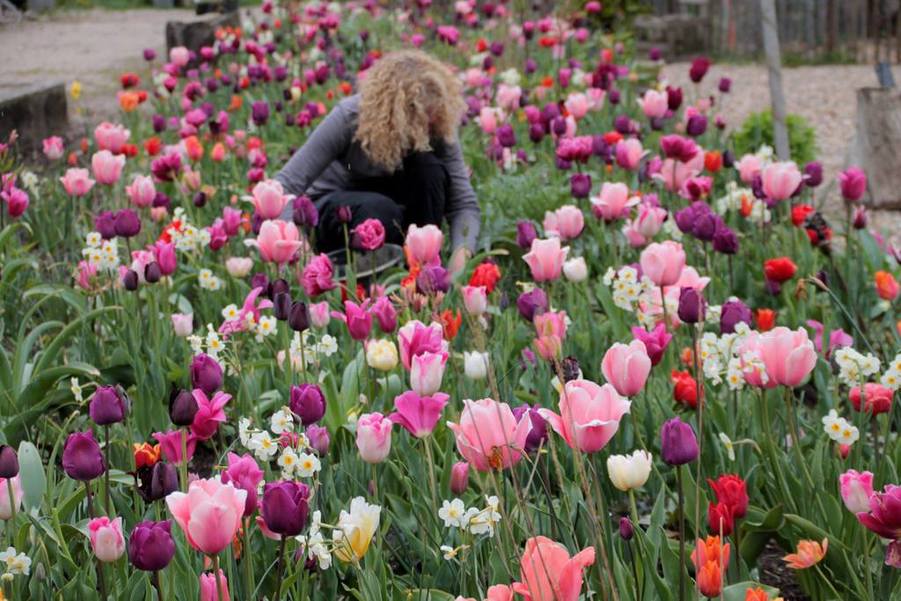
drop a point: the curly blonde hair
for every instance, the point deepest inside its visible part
(407, 99)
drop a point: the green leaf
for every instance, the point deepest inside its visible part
(31, 473)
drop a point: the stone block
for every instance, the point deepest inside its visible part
(35, 111)
(196, 34)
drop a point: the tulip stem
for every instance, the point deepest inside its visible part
(681, 533)
(219, 596)
(663, 306)
(106, 451)
(281, 568)
(699, 392)
(12, 507)
(183, 466)
(428, 454)
(248, 561)
(157, 583)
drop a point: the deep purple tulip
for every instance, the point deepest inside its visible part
(9, 462)
(538, 433)
(128, 224)
(725, 241)
(259, 112)
(299, 317)
(149, 54)
(732, 313)
(259, 280)
(626, 530)
(699, 69)
(150, 546)
(537, 132)
(107, 406)
(580, 185)
(82, 458)
(692, 305)
(157, 481)
(532, 303)
(307, 403)
(305, 213)
(613, 96)
(506, 137)
(182, 407)
(105, 224)
(678, 442)
(276, 287)
(696, 126)
(152, 272)
(813, 174)
(525, 233)
(130, 280)
(206, 373)
(673, 98)
(344, 214)
(281, 306)
(285, 507)
(654, 54)
(705, 225)
(622, 124)
(725, 85)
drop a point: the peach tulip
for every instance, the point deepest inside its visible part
(589, 414)
(780, 180)
(107, 167)
(613, 202)
(789, 355)
(626, 367)
(278, 241)
(663, 262)
(545, 259)
(488, 435)
(548, 573)
(209, 513)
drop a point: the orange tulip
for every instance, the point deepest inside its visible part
(710, 549)
(756, 594)
(809, 553)
(710, 579)
(146, 455)
(887, 286)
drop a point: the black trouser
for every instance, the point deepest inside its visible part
(414, 194)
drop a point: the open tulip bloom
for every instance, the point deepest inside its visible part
(454, 300)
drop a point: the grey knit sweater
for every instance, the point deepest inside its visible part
(331, 160)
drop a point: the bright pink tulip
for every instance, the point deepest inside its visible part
(488, 435)
(589, 414)
(278, 241)
(856, 488)
(663, 262)
(547, 572)
(749, 166)
(317, 276)
(415, 338)
(142, 191)
(613, 202)
(629, 153)
(53, 148)
(374, 437)
(107, 541)
(107, 167)
(6, 508)
(475, 299)
(545, 259)
(653, 104)
(209, 590)
(424, 243)
(209, 513)
(269, 199)
(426, 372)
(358, 318)
(853, 183)
(566, 222)
(170, 445)
(418, 414)
(789, 356)
(111, 136)
(77, 182)
(210, 413)
(780, 180)
(626, 367)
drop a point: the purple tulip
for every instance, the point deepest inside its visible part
(580, 185)
(182, 407)
(696, 126)
(538, 433)
(285, 507)
(626, 530)
(157, 482)
(107, 406)
(128, 224)
(433, 279)
(506, 137)
(259, 112)
(732, 313)
(307, 403)
(725, 85)
(525, 233)
(319, 439)
(299, 317)
(150, 546)
(149, 54)
(532, 303)
(281, 306)
(305, 213)
(725, 241)
(678, 442)
(813, 174)
(82, 458)
(9, 462)
(206, 373)
(105, 224)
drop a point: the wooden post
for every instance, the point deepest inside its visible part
(774, 66)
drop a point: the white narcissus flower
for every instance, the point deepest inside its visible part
(381, 354)
(475, 365)
(629, 471)
(307, 465)
(452, 513)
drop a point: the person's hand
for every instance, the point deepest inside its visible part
(458, 260)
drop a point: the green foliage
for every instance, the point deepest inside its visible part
(757, 130)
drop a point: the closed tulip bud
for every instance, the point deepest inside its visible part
(9, 462)
(626, 530)
(281, 306)
(532, 303)
(860, 218)
(307, 403)
(525, 234)
(199, 199)
(319, 439)
(107, 406)
(157, 482)
(150, 546)
(276, 287)
(459, 479)
(678, 442)
(575, 270)
(130, 280)
(127, 224)
(725, 241)
(381, 354)
(628, 472)
(813, 174)
(82, 458)
(299, 317)
(106, 538)
(182, 407)
(732, 313)
(206, 373)
(374, 437)
(209, 588)
(344, 214)
(692, 306)
(475, 365)
(696, 126)
(285, 507)
(152, 273)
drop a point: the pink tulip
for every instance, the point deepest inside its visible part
(488, 120)
(86, 273)
(182, 324)
(856, 488)
(278, 241)
(170, 445)
(577, 105)
(6, 508)
(613, 202)
(415, 338)
(107, 167)
(424, 243)
(111, 136)
(789, 356)
(142, 191)
(426, 372)
(418, 414)
(475, 300)
(780, 180)
(358, 319)
(752, 366)
(210, 413)
(77, 182)
(545, 259)
(179, 56)
(374, 437)
(649, 220)
(853, 183)
(107, 541)
(565, 223)
(269, 199)
(317, 276)
(319, 314)
(654, 104)
(749, 166)
(209, 590)
(488, 435)
(547, 572)
(550, 332)
(673, 174)
(626, 367)
(629, 153)
(53, 148)
(459, 477)
(508, 97)
(499, 592)
(209, 513)
(589, 415)
(663, 262)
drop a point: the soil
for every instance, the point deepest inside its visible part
(774, 572)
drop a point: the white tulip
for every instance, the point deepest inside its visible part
(629, 471)
(575, 270)
(475, 365)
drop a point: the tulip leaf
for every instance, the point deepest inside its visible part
(31, 473)
(422, 594)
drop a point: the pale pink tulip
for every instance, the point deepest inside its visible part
(508, 97)
(53, 148)
(547, 572)
(565, 223)
(577, 104)
(488, 120)
(111, 136)
(424, 243)
(107, 541)
(319, 314)
(374, 437)
(77, 182)
(426, 372)
(856, 488)
(488, 435)
(183, 324)
(142, 191)
(6, 508)
(545, 259)
(107, 167)
(589, 414)
(179, 56)
(653, 104)
(663, 262)
(626, 367)
(278, 241)
(749, 166)
(789, 355)
(613, 202)
(269, 199)
(209, 513)
(629, 153)
(475, 299)
(780, 180)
